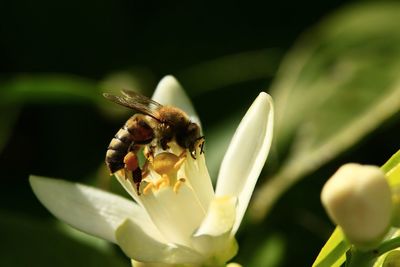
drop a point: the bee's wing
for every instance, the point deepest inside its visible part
(137, 102)
(144, 100)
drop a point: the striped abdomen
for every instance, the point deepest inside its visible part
(135, 133)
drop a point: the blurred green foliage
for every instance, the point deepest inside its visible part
(337, 84)
(32, 242)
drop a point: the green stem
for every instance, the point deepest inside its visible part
(359, 258)
(388, 245)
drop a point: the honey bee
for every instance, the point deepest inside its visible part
(153, 124)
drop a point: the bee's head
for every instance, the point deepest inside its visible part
(193, 132)
(188, 137)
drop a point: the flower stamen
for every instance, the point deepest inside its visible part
(163, 181)
(178, 184)
(147, 188)
(166, 165)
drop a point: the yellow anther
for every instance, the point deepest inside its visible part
(162, 182)
(122, 173)
(178, 184)
(147, 188)
(182, 158)
(167, 165)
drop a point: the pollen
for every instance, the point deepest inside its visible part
(166, 165)
(131, 161)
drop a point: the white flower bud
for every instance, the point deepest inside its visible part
(358, 199)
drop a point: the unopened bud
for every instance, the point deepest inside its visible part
(358, 199)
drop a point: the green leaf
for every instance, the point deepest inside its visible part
(40, 88)
(333, 254)
(43, 88)
(392, 169)
(339, 83)
(16, 91)
(48, 87)
(32, 242)
(334, 251)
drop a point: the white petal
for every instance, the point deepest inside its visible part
(246, 154)
(220, 249)
(170, 92)
(197, 176)
(88, 209)
(176, 215)
(220, 217)
(213, 238)
(168, 210)
(129, 186)
(137, 245)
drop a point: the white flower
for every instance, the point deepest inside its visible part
(358, 199)
(194, 226)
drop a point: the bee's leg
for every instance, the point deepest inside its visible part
(148, 152)
(167, 137)
(145, 169)
(164, 142)
(193, 147)
(163, 181)
(132, 164)
(137, 178)
(200, 143)
(178, 184)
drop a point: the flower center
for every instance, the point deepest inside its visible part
(176, 190)
(166, 165)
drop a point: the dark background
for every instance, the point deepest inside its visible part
(91, 39)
